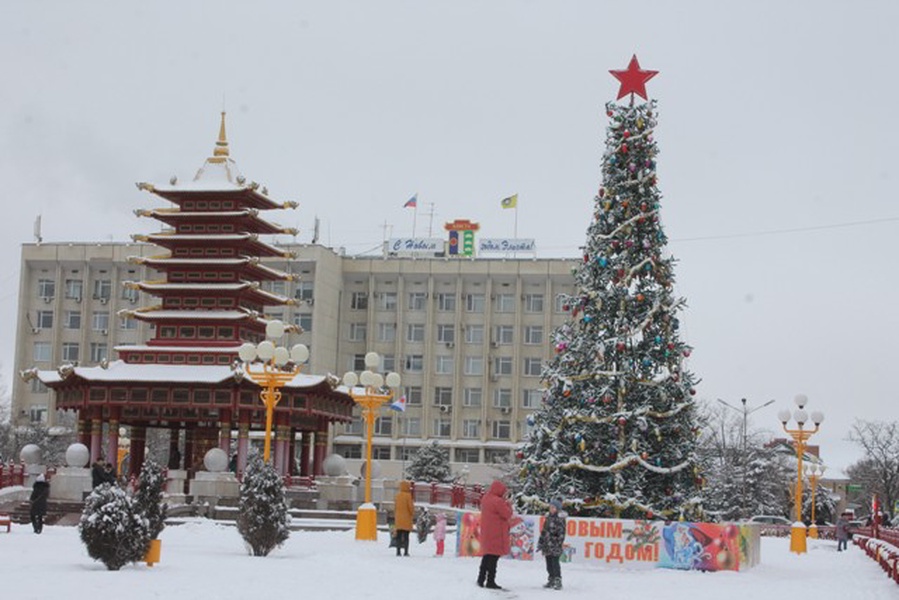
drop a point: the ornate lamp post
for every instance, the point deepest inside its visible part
(371, 397)
(274, 373)
(814, 473)
(800, 436)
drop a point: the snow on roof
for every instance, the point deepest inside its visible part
(232, 287)
(122, 371)
(199, 315)
(204, 349)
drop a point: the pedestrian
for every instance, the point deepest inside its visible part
(440, 532)
(842, 532)
(98, 473)
(109, 475)
(496, 512)
(404, 510)
(40, 492)
(552, 538)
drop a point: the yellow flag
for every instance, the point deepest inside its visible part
(510, 202)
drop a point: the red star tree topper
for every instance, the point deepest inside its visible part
(633, 79)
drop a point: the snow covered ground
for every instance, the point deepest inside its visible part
(203, 559)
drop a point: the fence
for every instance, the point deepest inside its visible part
(457, 496)
(12, 474)
(881, 545)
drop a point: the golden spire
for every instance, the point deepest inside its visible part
(221, 146)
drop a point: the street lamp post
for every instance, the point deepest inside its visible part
(274, 373)
(800, 436)
(814, 473)
(372, 396)
(746, 412)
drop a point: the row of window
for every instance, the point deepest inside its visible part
(473, 333)
(462, 455)
(441, 427)
(472, 397)
(74, 290)
(447, 301)
(70, 351)
(191, 205)
(202, 332)
(204, 228)
(446, 364)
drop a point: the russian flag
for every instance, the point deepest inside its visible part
(411, 202)
(399, 404)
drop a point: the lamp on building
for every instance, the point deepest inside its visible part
(274, 372)
(800, 436)
(814, 473)
(371, 397)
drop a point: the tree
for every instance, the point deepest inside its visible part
(149, 497)
(113, 528)
(878, 471)
(430, 463)
(616, 434)
(263, 519)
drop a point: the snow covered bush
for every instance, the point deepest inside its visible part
(113, 528)
(149, 497)
(263, 518)
(430, 463)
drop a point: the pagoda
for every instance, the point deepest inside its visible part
(208, 301)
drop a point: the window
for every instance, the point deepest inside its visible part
(532, 367)
(46, 289)
(44, 319)
(73, 319)
(278, 287)
(495, 455)
(475, 303)
(38, 387)
(446, 334)
(502, 365)
(41, 352)
(349, 451)
(127, 323)
(503, 334)
(407, 454)
(303, 321)
(356, 426)
(504, 303)
(38, 414)
(388, 363)
(474, 334)
(468, 455)
(501, 430)
(357, 332)
(100, 321)
(383, 425)
(304, 290)
(130, 294)
(99, 352)
(444, 365)
(560, 303)
(531, 398)
(442, 427)
(70, 351)
(533, 334)
(415, 332)
(533, 303)
(411, 426)
(386, 332)
(102, 289)
(474, 365)
(471, 428)
(502, 398)
(359, 301)
(380, 452)
(417, 300)
(443, 396)
(357, 362)
(446, 302)
(472, 397)
(414, 363)
(413, 395)
(74, 289)
(387, 301)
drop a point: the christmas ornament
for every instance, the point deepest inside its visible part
(633, 79)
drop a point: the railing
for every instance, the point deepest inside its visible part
(12, 474)
(881, 545)
(456, 495)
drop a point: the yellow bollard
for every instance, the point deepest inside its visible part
(798, 535)
(153, 552)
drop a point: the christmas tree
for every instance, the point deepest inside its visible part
(616, 435)
(430, 463)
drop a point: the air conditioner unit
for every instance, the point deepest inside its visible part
(444, 408)
(78, 299)
(493, 344)
(133, 299)
(494, 377)
(450, 345)
(505, 410)
(310, 301)
(35, 330)
(104, 300)
(47, 299)
(104, 332)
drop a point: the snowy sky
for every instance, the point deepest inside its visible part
(777, 130)
(203, 559)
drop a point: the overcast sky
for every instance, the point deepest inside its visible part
(778, 128)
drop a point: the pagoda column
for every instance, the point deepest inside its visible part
(291, 451)
(189, 459)
(281, 446)
(96, 438)
(243, 440)
(305, 452)
(112, 446)
(84, 429)
(321, 447)
(138, 449)
(174, 454)
(225, 432)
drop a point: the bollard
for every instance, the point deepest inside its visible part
(153, 552)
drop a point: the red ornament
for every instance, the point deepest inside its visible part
(633, 79)
(649, 514)
(686, 353)
(622, 421)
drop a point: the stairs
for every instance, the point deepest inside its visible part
(58, 513)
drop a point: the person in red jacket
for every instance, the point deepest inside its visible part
(496, 514)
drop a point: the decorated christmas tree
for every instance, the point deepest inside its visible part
(616, 434)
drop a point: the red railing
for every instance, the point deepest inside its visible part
(882, 546)
(12, 474)
(457, 496)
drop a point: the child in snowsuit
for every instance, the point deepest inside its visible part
(440, 532)
(552, 538)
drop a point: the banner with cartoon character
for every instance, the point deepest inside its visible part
(635, 544)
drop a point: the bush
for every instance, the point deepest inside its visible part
(113, 528)
(149, 497)
(263, 518)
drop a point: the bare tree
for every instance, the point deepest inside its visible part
(878, 471)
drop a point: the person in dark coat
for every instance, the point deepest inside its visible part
(552, 539)
(109, 475)
(404, 509)
(496, 514)
(98, 473)
(842, 532)
(40, 492)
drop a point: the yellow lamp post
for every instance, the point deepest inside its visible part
(814, 473)
(800, 436)
(275, 372)
(370, 398)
